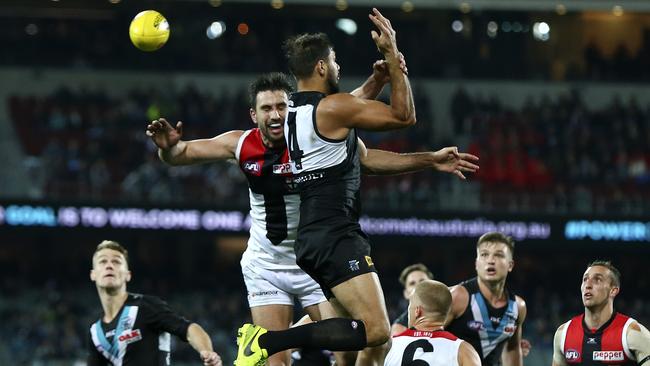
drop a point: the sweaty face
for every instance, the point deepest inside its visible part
(110, 270)
(269, 115)
(493, 261)
(412, 280)
(597, 286)
(333, 73)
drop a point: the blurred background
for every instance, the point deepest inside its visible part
(552, 95)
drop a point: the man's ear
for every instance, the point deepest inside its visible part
(321, 67)
(253, 115)
(93, 276)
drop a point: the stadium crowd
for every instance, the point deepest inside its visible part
(470, 53)
(552, 155)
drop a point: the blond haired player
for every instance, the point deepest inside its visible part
(426, 341)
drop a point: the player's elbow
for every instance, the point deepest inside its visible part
(407, 119)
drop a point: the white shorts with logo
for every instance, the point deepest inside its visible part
(280, 286)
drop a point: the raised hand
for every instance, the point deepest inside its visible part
(385, 39)
(450, 160)
(380, 69)
(163, 134)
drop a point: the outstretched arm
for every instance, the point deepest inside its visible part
(173, 151)
(200, 341)
(380, 162)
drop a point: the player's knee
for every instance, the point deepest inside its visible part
(377, 333)
(279, 359)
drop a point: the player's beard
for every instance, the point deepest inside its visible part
(332, 83)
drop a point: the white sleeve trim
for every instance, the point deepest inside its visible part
(240, 142)
(563, 335)
(626, 347)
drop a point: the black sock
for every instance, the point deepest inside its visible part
(336, 334)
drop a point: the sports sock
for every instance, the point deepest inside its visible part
(337, 334)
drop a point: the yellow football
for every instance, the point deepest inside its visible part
(149, 30)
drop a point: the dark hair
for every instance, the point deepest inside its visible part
(109, 244)
(271, 81)
(304, 51)
(412, 268)
(496, 237)
(615, 273)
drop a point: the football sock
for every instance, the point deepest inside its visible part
(337, 334)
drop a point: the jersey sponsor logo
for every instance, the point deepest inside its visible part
(309, 177)
(130, 336)
(571, 355)
(263, 293)
(252, 167)
(282, 168)
(475, 325)
(608, 356)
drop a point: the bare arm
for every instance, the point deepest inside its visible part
(638, 339)
(511, 355)
(200, 341)
(338, 113)
(558, 353)
(173, 151)
(401, 97)
(467, 355)
(372, 87)
(380, 162)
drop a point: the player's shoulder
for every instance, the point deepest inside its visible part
(458, 292)
(148, 300)
(521, 303)
(338, 102)
(250, 133)
(562, 327)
